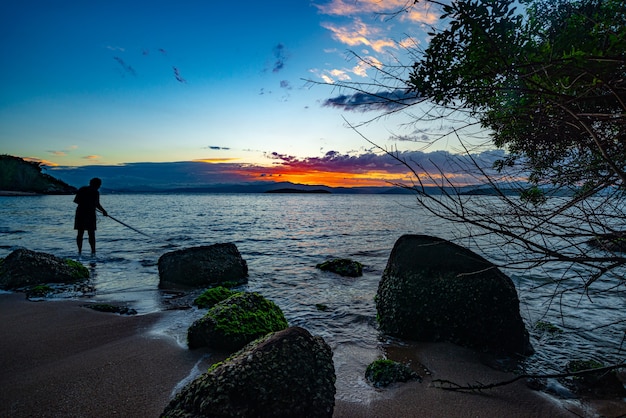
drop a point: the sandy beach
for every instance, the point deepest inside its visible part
(60, 359)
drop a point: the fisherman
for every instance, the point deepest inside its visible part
(88, 200)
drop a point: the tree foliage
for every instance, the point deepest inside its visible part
(550, 84)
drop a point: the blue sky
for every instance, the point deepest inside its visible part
(118, 82)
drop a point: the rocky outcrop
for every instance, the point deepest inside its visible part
(234, 322)
(342, 266)
(434, 290)
(23, 268)
(205, 266)
(19, 175)
(286, 374)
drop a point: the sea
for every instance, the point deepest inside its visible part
(283, 237)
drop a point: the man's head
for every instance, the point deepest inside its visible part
(95, 182)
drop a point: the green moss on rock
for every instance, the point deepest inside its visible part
(236, 321)
(213, 296)
(382, 372)
(79, 271)
(39, 291)
(342, 266)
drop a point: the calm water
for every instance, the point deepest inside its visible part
(282, 238)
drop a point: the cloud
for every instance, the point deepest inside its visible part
(91, 157)
(358, 33)
(387, 167)
(217, 148)
(363, 102)
(127, 68)
(178, 76)
(284, 84)
(402, 9)
(58, 153)
(280, 56)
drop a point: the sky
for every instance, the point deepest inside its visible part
(248, 89)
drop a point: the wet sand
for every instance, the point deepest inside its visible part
(59, 359)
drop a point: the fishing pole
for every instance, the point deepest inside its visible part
(128, 226)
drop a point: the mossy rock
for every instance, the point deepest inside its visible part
(213, 296)
(382, 372)
(342, 266)
(105, 307)
(25, 268)
(288, 373)
(236, 321)
(39, 291)
(596, 384)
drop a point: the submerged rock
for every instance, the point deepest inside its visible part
(382, 372)
(342, 266)
(205, 266)
(234, 322)
(289, 373)
(24, 268)
(434, 290)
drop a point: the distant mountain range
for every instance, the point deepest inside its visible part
(19, 175)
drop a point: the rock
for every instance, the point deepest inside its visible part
(286, 374)
(600, 384)
(343, 267)
(205, 266)
(434, 290)
(24, 268)
(383, 372)
(108, 308)
(234, 322)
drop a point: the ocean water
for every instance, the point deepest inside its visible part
(282, 238)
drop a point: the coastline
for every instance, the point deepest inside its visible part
(61, 359)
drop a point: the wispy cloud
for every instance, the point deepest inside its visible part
(401, 9)
(280, 57)
(358, 33)
(127, 68)
(383, 100)
(57, 153)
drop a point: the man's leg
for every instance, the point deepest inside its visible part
(92, 241)
(79, 240)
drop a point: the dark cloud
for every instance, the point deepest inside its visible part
(126, 67)
(280, 57)
(178, 76)
(284, 84)
(214, 147)
(364, 102)
(432, 162)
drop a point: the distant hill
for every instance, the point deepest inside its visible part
(19, 175)
(291, 190)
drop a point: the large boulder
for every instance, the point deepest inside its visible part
(289, 373)
(23, 268)
(205, 266)
(435, 290)
(236, 321)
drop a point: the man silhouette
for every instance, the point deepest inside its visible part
(88, 200)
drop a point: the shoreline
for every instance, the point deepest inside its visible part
(61, 359)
